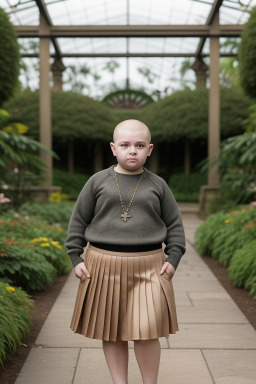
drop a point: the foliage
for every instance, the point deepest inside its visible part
(247, 56)
(224, 236)
(74, 116)
(20, 165)
(9, 58)
(237, 163)
(71, 184)
(242, 269)
(31, 250)
(52, 213)
(186, 187)
(15, 323)
(185, 114)
(25, 267)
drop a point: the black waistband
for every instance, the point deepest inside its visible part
(127, 248)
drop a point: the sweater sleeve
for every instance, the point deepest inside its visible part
(175, 239)
(81, 217)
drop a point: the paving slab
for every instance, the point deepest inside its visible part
(210, 314)
(214, 336)
(232, 367)
(49, 366)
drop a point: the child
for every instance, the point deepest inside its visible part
(124, 214)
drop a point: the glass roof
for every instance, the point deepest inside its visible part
(104, 74)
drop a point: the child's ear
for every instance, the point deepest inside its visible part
(112, 146)
(150, 149)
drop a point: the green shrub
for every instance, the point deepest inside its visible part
(187, 187)
(247, 56)
(32, 251)
(15, 322)
(71, 184)
(25, 268)
(208, 232)
(9, 58)
(242, 269)
(52, 213)
(226, 237)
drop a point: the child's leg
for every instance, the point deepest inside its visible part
(148, 353)
(116, 354)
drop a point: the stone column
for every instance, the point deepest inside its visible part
(200, 69)
(45, 99)
(57, 68)
(208, 191)
(214, 107)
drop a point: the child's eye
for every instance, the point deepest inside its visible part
(140, 145)
(124, 145)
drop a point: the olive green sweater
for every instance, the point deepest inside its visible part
(155, 216)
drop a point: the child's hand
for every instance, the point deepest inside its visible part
(81, 271)
(168, 268)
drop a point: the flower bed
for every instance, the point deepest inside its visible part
(15, 322)
(32, 254)
(231, 238)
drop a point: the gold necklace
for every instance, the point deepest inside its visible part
(125, 215)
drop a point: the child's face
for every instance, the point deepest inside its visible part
(131, 148)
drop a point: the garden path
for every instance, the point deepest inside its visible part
(215, 344)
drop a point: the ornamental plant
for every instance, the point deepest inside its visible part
(15, 323)
(9, 58)
(226, 237)
(247, 56)
(242, 269)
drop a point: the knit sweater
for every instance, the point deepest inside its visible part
(155, 216)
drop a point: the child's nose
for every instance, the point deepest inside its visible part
(133, 149)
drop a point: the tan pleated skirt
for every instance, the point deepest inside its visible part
(126, 298)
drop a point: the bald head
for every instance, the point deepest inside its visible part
(131, 125)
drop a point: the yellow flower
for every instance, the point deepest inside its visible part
(40, 239)
(229, 221)
(45, 245)
(10, 288)
(56, 244)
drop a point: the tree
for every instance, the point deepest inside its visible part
(9, 58)
(184, 114)
(247, 56)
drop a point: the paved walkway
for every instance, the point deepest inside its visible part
(215, 344)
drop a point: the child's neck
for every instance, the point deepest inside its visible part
(119, 169)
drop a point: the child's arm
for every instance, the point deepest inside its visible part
(175, 238)
(81, 217)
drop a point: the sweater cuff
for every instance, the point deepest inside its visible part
(75, 260)
(174, 259)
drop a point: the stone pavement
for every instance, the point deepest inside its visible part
(215, 344)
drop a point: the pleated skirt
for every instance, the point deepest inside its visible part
(125, 298)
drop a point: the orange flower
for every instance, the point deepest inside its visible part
(1, 222)
(248, 226)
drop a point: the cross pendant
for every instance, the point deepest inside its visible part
(125, 216)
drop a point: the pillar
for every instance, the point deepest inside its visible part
(45, 100)
(207, 192)
(57, 68)
(214, 108)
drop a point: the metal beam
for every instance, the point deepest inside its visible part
(215, 9)
(131, 31)
(43, 11)
(30, 55)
